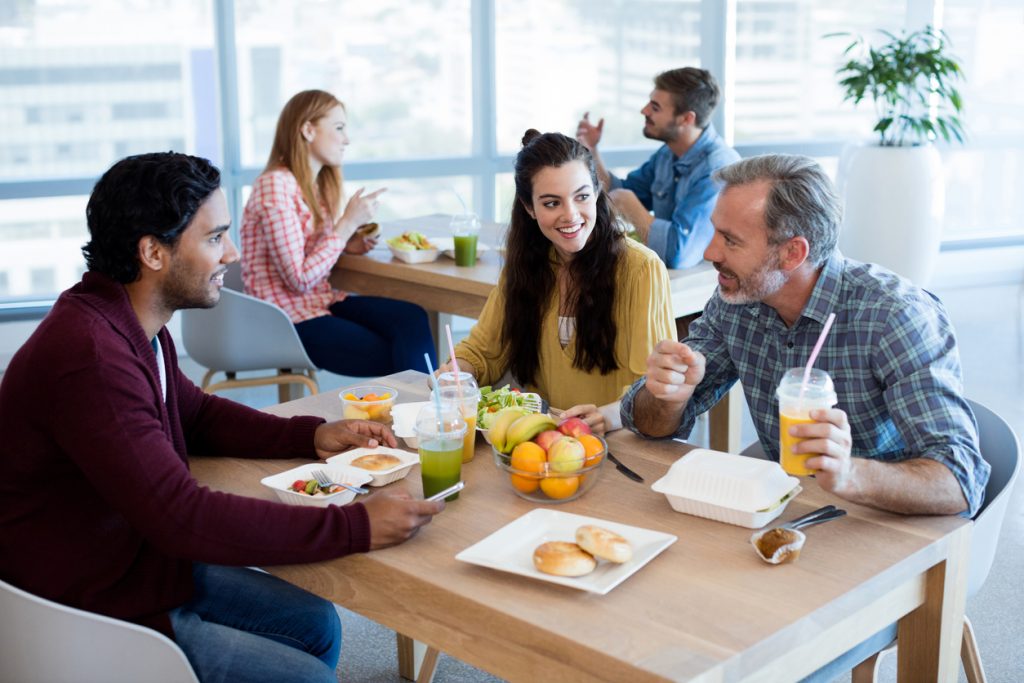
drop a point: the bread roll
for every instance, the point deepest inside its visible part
(605, 544)
(376, 461)
(562, 558)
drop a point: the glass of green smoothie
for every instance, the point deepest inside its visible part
(465, 231)
(440, 434)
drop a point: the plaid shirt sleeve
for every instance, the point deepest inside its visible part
(719, 372)
(919, 367)
(302, 260)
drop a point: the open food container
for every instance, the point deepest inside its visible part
(404, 422)
(379, 477)
(734, 489)
(280, 484)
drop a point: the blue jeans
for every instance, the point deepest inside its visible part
(244, 625)
(369, 336)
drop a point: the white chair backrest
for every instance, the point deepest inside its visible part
(1001, 450)
(46, 642)
(242, 333)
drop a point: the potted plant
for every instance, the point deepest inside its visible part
(894, 190)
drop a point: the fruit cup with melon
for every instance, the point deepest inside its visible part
(368, 403)
(544, 463)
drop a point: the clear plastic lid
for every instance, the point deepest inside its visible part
(732, 481)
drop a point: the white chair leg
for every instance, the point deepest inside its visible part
(970, 656)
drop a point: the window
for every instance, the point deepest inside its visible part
(82, 84)
(402, 69)
(785, 84)
(983, 179)
(557, 59)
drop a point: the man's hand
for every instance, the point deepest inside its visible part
(332, 438)
(829, 438)
(673, 371)
(633, 211)
(587, 133)
(395, 516)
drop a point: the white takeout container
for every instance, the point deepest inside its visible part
(415, 255)
(378, 477)
(403, 417)
(734, 489)
(337, 473)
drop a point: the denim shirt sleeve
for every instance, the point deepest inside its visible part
(639, 182)
(681, 242)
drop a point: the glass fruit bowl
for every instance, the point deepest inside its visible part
(553, 475)
(368, 403)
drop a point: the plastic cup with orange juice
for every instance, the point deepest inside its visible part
(466, 397)
(794, 409)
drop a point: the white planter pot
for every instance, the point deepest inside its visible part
(894, 202)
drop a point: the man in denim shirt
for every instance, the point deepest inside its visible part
(902, 438)
(676, 182)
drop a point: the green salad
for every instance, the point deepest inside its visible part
(493, 400)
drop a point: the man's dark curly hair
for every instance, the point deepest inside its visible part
(149, 194)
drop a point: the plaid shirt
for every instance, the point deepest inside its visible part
(891, 354)
(283, 260)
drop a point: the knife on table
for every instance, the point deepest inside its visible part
(625, 470)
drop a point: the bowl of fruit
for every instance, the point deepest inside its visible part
(545, 461)
(368, 403)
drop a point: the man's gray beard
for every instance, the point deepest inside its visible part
(767, 282)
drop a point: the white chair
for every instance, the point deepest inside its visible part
(46, 642)
(243, 333)
(1000, 449)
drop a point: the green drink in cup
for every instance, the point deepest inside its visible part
(440, 447)
(465, 231)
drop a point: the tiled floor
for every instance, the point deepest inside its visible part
(989, 326)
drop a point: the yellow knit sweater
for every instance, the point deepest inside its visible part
(643, 316)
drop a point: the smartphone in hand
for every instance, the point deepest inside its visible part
(454, 488)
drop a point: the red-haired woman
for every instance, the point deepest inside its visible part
(296, 225)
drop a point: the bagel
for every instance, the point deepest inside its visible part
(563, 558)
(376, 461)
(605, 544)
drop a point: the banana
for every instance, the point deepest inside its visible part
(500, 424)
(525, 428)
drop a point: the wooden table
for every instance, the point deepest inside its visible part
(706, 609)
(444, 289)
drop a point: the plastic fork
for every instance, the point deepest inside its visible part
(324, 480)
(532, 402)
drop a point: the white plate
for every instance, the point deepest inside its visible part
(379, 477)
(415, 256)
(447, 246)
(510, 548)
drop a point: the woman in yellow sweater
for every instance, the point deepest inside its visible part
(579, 306)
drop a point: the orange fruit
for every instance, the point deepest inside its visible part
(526, 484)
(528, 457)
(593, 447)
(369, 397)
(559, 487)
(351, 397)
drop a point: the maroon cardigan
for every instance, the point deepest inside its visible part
(98, 509)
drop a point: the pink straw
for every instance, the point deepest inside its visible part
(814, 354)
(455, 363)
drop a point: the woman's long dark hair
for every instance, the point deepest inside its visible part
(529, 278)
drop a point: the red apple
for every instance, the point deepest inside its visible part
(545, 439)
(574, 426)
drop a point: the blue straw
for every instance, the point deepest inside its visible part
(437, 392)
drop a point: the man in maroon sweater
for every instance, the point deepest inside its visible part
(98, 509)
